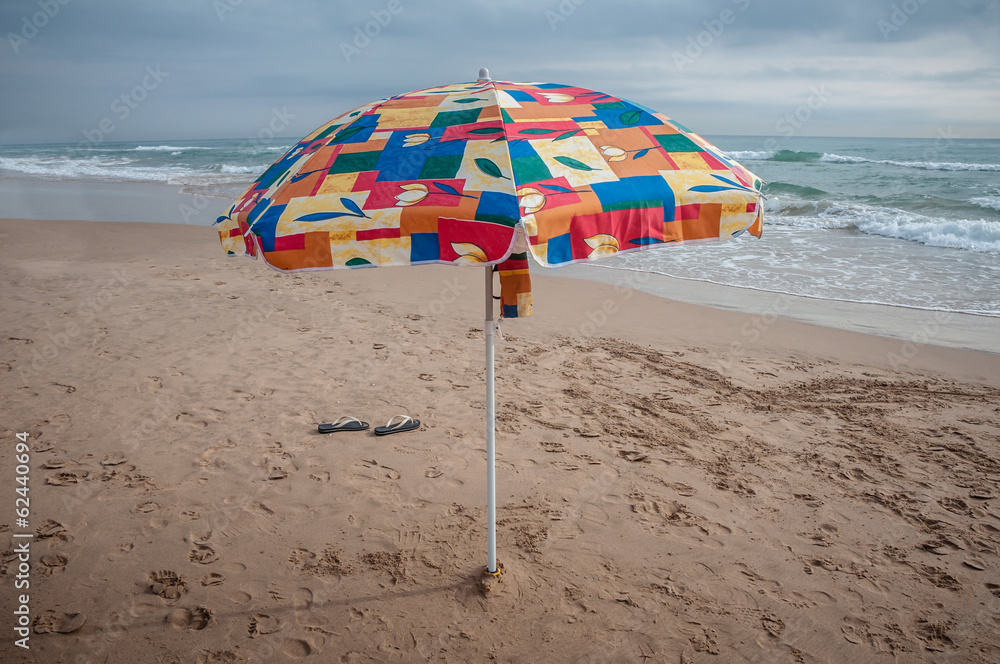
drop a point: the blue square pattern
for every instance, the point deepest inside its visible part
(267, 225)
(519, 95)
(424, 247)
(559, 250)
(637, 188)
(398, 163)
(497, 206)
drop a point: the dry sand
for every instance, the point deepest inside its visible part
(672, 486)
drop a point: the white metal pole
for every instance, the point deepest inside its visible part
(491, 498)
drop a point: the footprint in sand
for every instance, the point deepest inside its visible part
(42, 446)
(380, 472)
(938, 577)
(167, 584)
(934, 635)
(261, 623)
(219, 657)
(196, 618)
(302, 599)
(954, 505)
(240, 597)
(408, 538)
(855, 630)
(297, 648)
(772, 624)
(53, 563)
(114, 459)
(213, 579)
(52, 529)
(202, 554)
(146, 507)
(276, 473)
(66, 477)
(60, 623)
(808, 499)
(301, 557)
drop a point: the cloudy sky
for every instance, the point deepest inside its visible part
(228, 68)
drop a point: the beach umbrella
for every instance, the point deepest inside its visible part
(490, 173)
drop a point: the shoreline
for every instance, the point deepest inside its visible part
(102, 201)
(916, 326)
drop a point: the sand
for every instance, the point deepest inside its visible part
(675, 483)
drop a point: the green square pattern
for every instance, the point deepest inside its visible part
(678, 143)
(443, 166)
(452, 118)
(355, 162)
(530, 169)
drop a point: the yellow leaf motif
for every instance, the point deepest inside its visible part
(558, 97)
(415, 139)
(529, 224)
(530, 199)
(468, 253)
(411, 194)
(602, 245)
(613, 153)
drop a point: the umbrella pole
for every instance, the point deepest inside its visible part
(491, 506)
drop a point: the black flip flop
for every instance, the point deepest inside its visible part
(398, 424)
(344, 424)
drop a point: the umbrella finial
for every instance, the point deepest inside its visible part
(484, 74)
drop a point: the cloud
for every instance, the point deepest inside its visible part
(727, 66)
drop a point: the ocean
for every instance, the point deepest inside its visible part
(901, 222)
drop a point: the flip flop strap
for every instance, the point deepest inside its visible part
(401, 422)
(341, 421)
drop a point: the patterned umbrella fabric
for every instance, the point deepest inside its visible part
(489, 172)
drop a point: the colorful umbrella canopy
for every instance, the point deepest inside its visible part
(488, 173)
